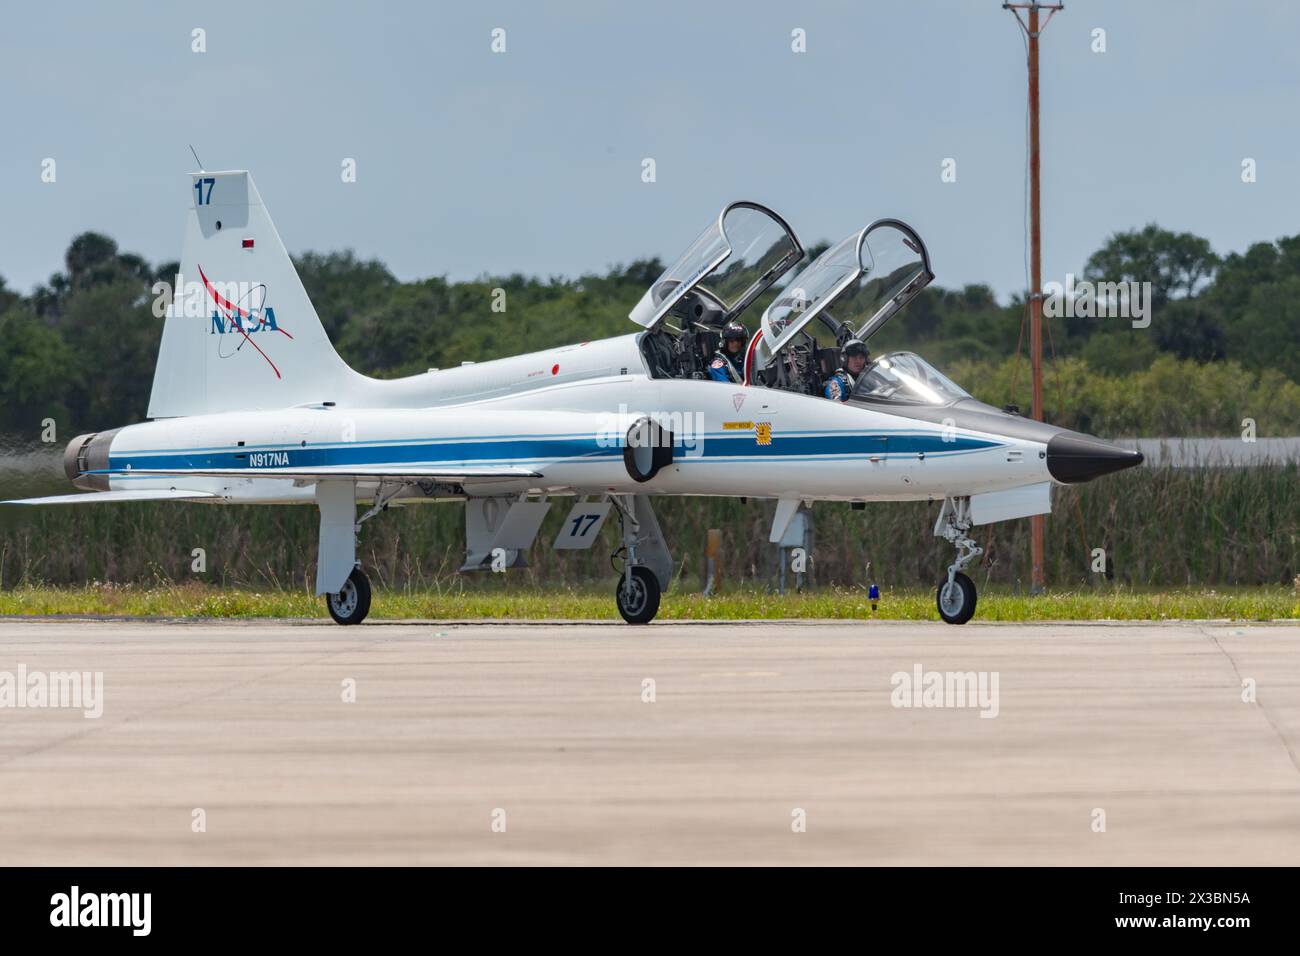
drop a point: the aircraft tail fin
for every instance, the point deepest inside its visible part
(240, 332)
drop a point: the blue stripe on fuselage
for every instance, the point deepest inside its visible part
(569, 448)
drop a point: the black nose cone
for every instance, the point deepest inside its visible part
(1072, 457)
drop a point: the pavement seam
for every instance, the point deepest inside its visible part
(1290, 751)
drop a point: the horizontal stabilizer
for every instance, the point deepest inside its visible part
(364, 473)
(143, 494)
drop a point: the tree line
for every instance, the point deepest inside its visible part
(1221, 345)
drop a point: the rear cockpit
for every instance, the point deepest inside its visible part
(736, 259)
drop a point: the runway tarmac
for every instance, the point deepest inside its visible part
(460, 729)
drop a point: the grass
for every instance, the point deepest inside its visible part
(1159, 528)
(995, 604)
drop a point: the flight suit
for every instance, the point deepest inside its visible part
(727, 368)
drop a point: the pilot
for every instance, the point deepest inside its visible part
(853, 359)
(728, 364)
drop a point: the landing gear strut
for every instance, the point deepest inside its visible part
(956, 593)
(339, 532)
(637, 593)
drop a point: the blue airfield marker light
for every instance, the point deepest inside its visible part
(873, 593)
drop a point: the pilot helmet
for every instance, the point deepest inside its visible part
(734, 330)
(855, 347)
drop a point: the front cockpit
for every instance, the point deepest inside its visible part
(834, 306)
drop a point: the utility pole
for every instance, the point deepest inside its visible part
(1033, 29)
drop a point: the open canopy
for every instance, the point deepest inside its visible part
(854, 287)
(739, 255)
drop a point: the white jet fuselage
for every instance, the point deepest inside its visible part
(727, 439)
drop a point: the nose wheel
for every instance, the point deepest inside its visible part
(956, 599)
(352, 603)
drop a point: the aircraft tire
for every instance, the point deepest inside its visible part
(352, 603)
(956, 606)
(642, 604)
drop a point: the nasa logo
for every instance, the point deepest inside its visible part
(227, 324)
(246, 316)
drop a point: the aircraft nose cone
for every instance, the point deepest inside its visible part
(1072, 457)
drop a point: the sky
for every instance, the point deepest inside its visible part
(471, 162)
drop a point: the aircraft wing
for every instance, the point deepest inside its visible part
(363, 473)
(143, 494)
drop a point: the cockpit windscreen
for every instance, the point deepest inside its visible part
(906, 378)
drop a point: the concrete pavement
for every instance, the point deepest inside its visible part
(549, 730)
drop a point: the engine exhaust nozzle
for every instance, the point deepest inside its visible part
(88, 453)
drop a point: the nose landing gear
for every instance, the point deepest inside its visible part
(956, 596)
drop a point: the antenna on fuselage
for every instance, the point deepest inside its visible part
(196, 158)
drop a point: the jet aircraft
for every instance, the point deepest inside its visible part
(252, 405)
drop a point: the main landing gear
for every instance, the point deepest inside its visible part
(338, 547)
(956, 593)
(351, 604)
(637, 595)
(638, 590)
